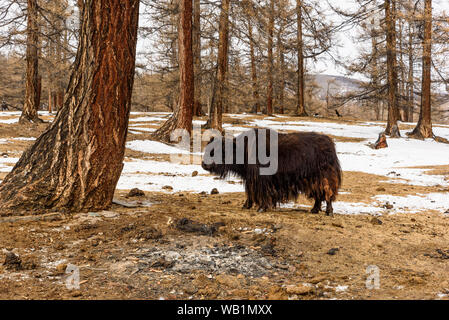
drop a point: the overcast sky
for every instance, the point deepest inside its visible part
(350, 48)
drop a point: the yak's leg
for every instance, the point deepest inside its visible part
(264, 206)
(249, 195)
(329, 209)
(248, 204)
(317, 207)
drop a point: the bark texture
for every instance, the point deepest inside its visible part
(300, 102)
(270, 59)
(423, 129)
(32, 89)
(76, 163)
(216, 110)
(197, 107)
(393, 110)
(182, 117)
(281, 67)
(255, 87)
(410, 80)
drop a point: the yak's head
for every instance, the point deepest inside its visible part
(220, 157)
(255, 149)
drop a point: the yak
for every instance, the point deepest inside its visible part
(305, 162)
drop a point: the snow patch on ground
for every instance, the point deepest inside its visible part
(149, 175)
(9, 121)
(177, 183)
(143, 129)
(415, 203)
(147, 119)
(392, 162)
(154, 147)
(4, 167)
(349, 208)
(335, 129)
(151, 166)
(24, 139)
(397, 163)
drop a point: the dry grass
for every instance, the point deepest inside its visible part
(408, 249)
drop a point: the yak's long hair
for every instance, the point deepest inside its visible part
(307, 164)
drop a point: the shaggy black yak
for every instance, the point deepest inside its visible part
(305, 163)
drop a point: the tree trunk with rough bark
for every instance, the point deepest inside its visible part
(59, 99)
(50, 57)
(393, 111)
(300, 101)
(375, 68)
(253, 68)
(182, 117)
(80, 4)
(32, 94)
(215, 120)
(281, 67)
(50, 98)
(270, 58)
(197, 108)
(395, 18)
(423, 129)
(402, 102)
(411, 81)
(76, 163)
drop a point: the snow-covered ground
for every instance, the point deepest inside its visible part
(402, 162)
(6, 164)
(11, 117)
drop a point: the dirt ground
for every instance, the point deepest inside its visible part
(204, 246)
(145, 253)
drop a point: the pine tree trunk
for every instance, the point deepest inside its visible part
(270, 59)
(402, 90)
(55, 100)
(281, 69)
(197, 108)
(393, 112)
(76, 163)
(215, 120)
(80, 4)
(51, 77)
(411, 81)
(300, 101)
(32, 94)
(423, 129)
(182, 117)
(50, 98)
(253, 68)
(395, 60)
(375, 68)
(59, 66)
(59, 99)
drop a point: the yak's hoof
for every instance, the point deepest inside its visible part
(315, 211)
(329, 213)
(247, 205)
(262, 210)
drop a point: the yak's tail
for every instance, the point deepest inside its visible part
(336, 176)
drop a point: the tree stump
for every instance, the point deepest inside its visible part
(395, 133)
(381, 142)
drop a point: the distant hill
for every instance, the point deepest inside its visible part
(340, 85)
(337, 84)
